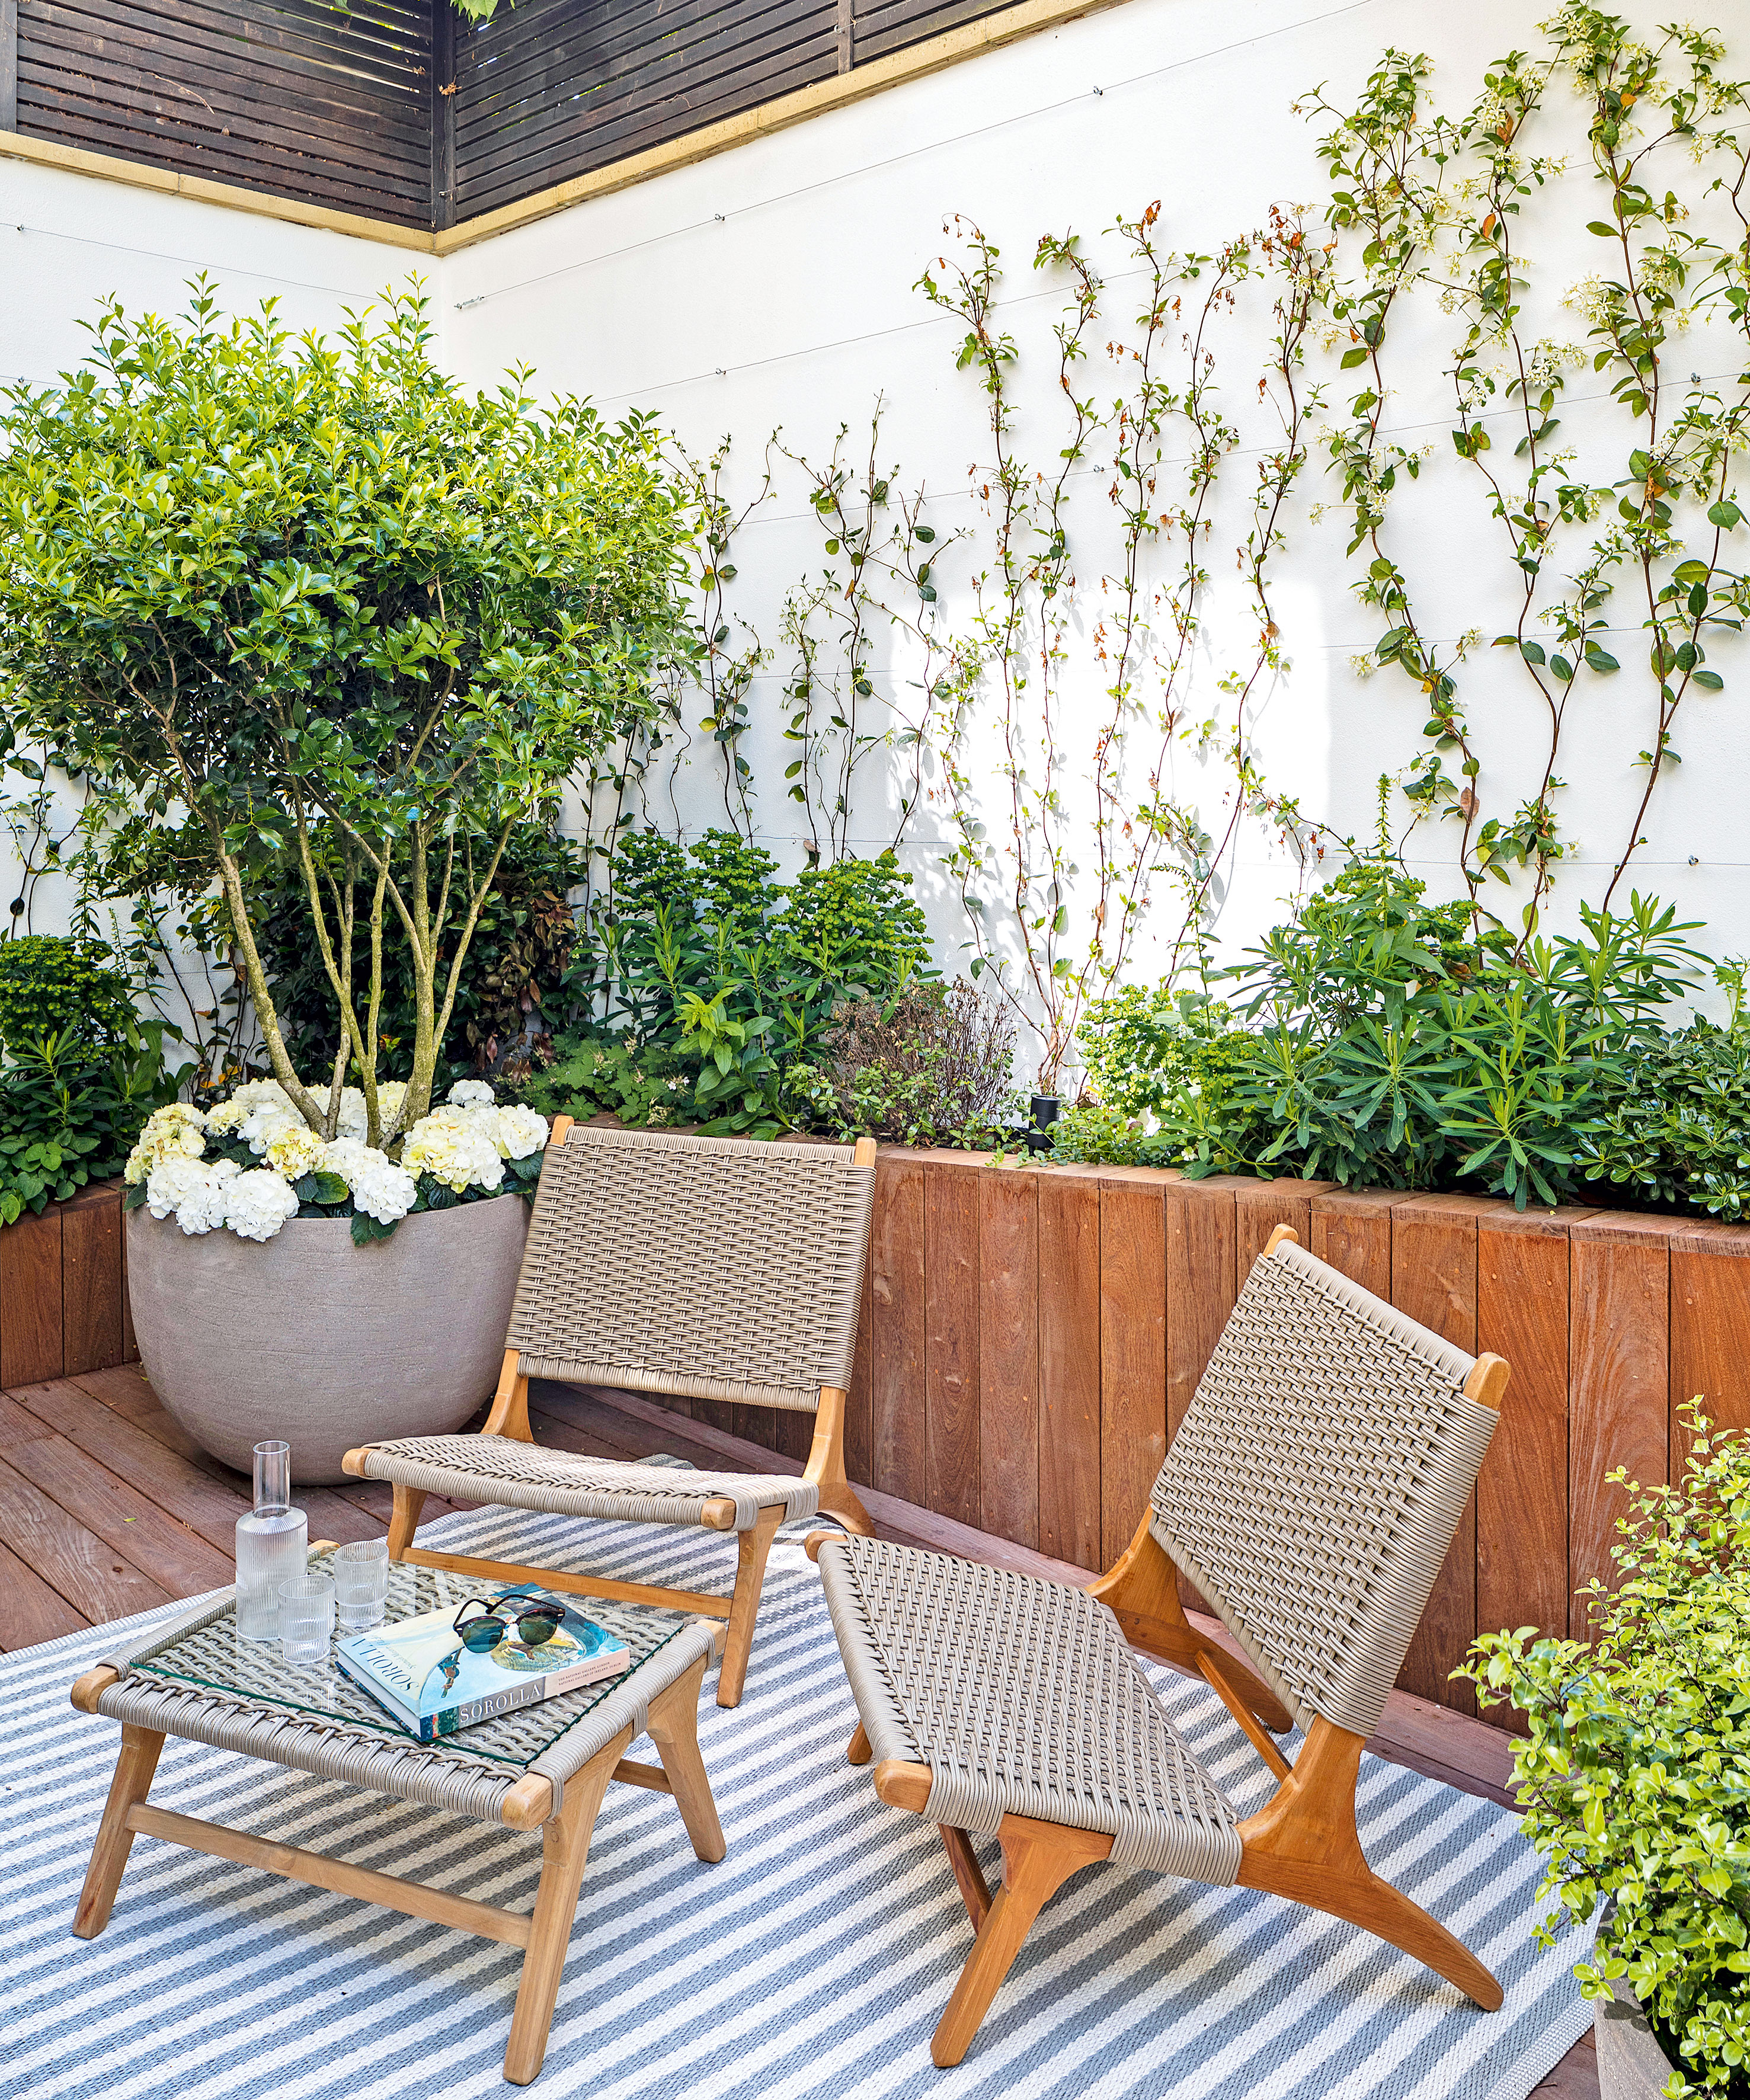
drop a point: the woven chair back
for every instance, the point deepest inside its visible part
(1315, 1483)
(716, 1269)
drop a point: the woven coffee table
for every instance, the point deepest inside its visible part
(543, 1767)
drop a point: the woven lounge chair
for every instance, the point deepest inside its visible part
(714, 1268)
(1310, 1495)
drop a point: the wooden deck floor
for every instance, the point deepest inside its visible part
(108, 1508)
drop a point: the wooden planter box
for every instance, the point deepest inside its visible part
(1030, 1338)
(63, 1290)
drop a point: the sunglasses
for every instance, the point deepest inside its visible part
(533, 1621)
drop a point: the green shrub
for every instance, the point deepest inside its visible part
(53, 985)
(699, 966)
(1378, 1040)
(70, 1113)
(928, 1066)
(509, 1000)
(1635, 1776)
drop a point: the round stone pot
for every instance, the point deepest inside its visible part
(309, 1338)
(1632, 2065)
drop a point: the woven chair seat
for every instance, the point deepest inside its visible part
(1023, 1699)
(502, 1469)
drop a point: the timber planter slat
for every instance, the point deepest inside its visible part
(1032, 1337)
(63, 1294)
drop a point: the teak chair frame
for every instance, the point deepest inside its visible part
(509, 1417)
(544, 1935)
(1302, 1844)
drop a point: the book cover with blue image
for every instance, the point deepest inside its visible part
(421, 1673)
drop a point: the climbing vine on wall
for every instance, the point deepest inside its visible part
(1617, 559)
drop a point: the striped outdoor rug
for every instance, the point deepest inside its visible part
(813, 1962)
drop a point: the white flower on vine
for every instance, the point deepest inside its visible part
(1364, 664)
(1596, 299)
(1546, 361)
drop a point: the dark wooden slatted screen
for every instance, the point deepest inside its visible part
(553, 88)
(880, 26)
(400, 110)
(298, 97)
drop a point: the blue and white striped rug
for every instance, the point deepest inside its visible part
(812, 1963)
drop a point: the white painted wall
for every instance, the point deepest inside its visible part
(68, 241)
(773, 286)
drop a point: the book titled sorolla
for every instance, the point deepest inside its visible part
(421, 1675)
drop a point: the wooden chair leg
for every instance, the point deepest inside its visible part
(565, 1851)
(403, 1519)
(674, 1727)
(857, 1751)
(968, 1876)
(826, 1465)
(1304, 1845)
(130, 1785)
(1142, 1591)
(1037, 1859)
(751, 1548)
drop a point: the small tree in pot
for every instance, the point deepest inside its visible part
(314, 601)
(1635, 1776)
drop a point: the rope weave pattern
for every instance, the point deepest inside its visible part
(502, 1469)
(1316, 1481)
(717, 1268)
(1023, 1699)
(195, 1678)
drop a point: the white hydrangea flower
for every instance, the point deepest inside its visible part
(169, 1133)
(203, 1208)
(257, 1203)
(354, 1122)
(519, 1131)
(171, 1179)
(454, 1146)
(293, 1151)
(390, 1096)
(472, 1094)
(231, 1115)
(382, 1190)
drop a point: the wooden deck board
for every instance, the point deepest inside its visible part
(80, 1457)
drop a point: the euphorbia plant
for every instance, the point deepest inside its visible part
(311, 601)
(1635, 1776)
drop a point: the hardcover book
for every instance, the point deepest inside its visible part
(426, 1680)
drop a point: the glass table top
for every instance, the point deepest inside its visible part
(216, 1659)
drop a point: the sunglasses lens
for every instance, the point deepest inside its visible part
(535, 1627)
(480, 1636)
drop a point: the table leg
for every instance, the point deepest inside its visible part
(565, 1851)
(132, 1782)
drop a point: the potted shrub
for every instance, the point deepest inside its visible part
(1635, 1778)
(295, 604)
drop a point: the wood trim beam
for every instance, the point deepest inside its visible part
(136, 174)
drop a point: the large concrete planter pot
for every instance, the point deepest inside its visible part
(307, 1337)
(1632, 2065)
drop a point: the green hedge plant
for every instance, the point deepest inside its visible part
(1634, 1776)
(267, 590)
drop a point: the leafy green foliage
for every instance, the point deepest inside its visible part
(69, 988)
(260, 585)
(928, 1066)
(1379, 1040)
(700, 968)
(1635, 1770)
(509, 999)
(69, 1113)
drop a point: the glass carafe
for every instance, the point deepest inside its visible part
(273, 1544)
